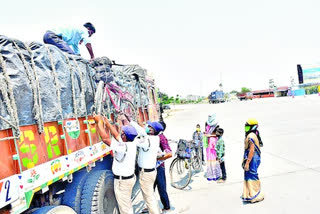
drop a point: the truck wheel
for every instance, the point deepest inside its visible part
(97, 194)
(72, 194)
(54, 210)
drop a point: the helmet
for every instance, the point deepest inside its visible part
(90, 26)
(251, 125)
(252, 121)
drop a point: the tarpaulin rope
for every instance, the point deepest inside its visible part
(37, 83)
(32, 80)
(82, 84)
(7, 94)
(72, 87)
(56, 80)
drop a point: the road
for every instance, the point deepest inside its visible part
(290, 168)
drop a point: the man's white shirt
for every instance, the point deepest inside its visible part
(124, 157)
(148, 147)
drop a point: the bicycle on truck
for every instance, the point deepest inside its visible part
(187, 158)
(121, 101)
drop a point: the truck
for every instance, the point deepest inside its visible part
(245, 96)
(216, 97)
(52, 158)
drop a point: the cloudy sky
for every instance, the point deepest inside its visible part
(188, 46)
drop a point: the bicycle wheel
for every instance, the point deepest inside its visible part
(129, 109)
(180, 173)
(97, 107)
(196, 161)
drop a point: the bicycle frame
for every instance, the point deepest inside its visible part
(118, 92)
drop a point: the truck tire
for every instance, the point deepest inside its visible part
(97, 194)
(54, 210)
(72, 194)
(105, 164)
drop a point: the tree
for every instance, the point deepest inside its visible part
(245, 90)
(177, 100)
(233, 92)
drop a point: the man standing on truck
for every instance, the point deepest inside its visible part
(63, 38)
(124, 147)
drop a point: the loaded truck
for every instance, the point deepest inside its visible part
(216, 97)
(245, 96)
(52, 159)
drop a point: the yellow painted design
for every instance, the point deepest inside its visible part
(30, 165)
(26, 146)
(52, 142)
(37, 189)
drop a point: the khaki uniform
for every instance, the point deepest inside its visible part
(146, 180)
(123, 191)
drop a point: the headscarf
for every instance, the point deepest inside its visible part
(212, 123)
(212, 120)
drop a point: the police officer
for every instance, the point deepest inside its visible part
(147, 160)
(124, 148)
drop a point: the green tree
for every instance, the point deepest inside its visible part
(234, 92)
(245, 90)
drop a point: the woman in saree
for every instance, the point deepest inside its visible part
(251, 162)
(213, 167)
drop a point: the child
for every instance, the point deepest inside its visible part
(220, 149)
(197, 138)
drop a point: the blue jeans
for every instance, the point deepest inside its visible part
(160, 183)
(53, 39)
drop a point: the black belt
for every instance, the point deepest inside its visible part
(123, 177)
(146, 170)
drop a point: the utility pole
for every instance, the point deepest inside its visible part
(220, 85)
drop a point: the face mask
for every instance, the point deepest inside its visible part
(198, 130)
(147, 130)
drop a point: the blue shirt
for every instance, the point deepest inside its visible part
(72, 36)
(197, 137)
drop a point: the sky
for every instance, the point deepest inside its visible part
(189, 47)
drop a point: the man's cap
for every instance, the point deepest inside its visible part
(130, 132)
(90, 26)
(164, 125)
(156, 126)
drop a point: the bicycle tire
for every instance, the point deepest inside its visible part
(128, 108)
(98, 98)
(196, 162)
(179, 165)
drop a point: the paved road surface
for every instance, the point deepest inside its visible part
(290, 168)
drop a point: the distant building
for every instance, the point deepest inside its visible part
(192, 97)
